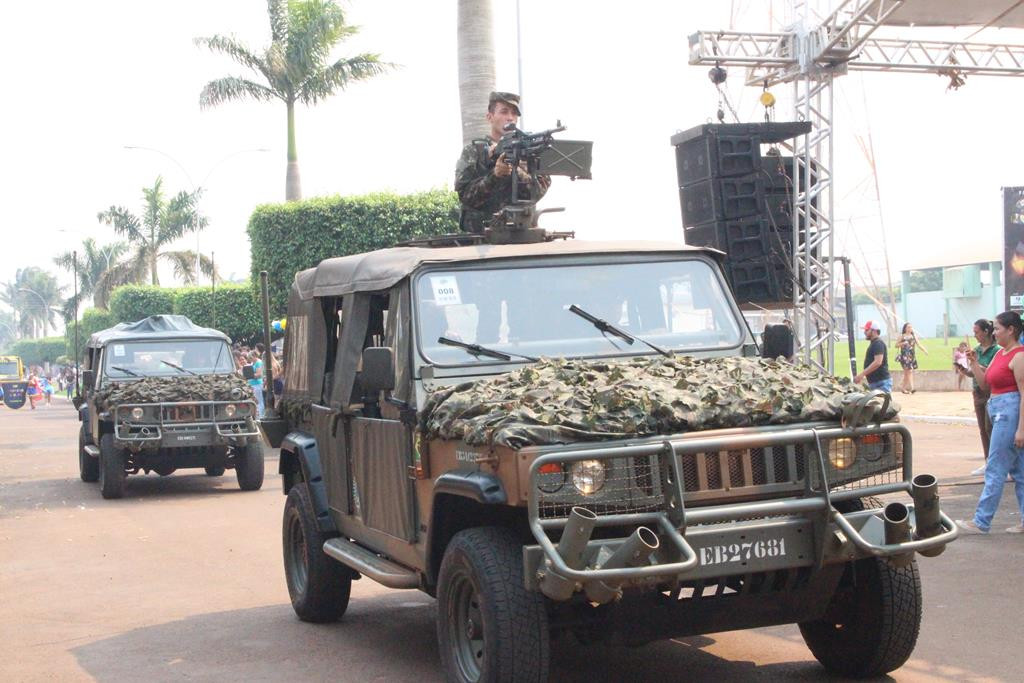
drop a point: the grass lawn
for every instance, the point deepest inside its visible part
(939, 356)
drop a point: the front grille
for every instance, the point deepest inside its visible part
(188, 412)
(775, 469)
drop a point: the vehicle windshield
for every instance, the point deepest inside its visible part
(678, 305)
(144, 358)
(8, 368)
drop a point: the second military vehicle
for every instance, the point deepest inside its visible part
(163, 394)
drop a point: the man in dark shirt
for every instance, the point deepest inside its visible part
(876, 361)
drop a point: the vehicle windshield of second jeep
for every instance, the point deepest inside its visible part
(151, 358)
(677, 304)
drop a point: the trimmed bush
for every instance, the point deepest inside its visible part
(237, 312)
(135, 302)
(93, 320)
(287, 238)
(38, 351)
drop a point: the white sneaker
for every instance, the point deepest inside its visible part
(1019, 529)
(969, 527)
(978, 471)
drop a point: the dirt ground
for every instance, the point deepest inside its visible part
(183, 579)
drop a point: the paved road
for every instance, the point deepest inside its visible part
(183, 579)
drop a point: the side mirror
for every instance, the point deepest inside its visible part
(378, 373)
(88, 379)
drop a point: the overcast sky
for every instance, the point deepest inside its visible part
(83, 80)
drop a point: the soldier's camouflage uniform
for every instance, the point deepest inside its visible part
(481, 193)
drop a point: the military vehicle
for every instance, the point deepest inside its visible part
(570, 436)
(12, 381)
(163, 394)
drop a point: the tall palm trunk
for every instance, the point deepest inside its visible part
(292, 183)
(152, 268)
(476, 65)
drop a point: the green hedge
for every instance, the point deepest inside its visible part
(38, 351)
(135, 302)
(237, 312)
(287, 238)
(93, 320)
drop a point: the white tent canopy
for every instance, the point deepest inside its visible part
(996, 13)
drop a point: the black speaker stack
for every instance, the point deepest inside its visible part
(737, 199)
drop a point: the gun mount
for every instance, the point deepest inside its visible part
(537, 155)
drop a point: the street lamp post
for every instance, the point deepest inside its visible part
(196, 188)
(43, 305)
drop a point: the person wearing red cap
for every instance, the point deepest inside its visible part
(876, 361)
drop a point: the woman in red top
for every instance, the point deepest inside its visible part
(1004, 378)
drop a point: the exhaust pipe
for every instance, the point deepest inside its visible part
(633, 552)
(897, 530)
(925, 492)
(572, 548)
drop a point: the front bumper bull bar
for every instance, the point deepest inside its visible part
(147, 429)
(823, 534)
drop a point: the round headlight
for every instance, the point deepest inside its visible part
(588, 476)
(229, 410)
(841, 453)
(137, 413)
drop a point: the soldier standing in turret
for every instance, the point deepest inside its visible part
(482, 181)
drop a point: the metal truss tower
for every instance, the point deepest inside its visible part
(810, 54)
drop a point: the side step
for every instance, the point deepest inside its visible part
(384, 572)
(92, 450)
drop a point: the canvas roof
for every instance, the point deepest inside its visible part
(996, 13)
(378, 270)
(156, 326)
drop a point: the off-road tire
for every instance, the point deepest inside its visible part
(88, 466)
(871, 625)
(318, 586)
(214, 471)
(111, 466)
(249, 466)
(481, 578)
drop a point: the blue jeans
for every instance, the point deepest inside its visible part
(883, 384)
(257, 390)
(1003, 458)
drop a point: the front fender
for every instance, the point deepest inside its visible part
(300, 455)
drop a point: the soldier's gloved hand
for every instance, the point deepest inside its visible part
(544, 181)
(502, 168)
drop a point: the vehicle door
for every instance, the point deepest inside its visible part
(378, 433)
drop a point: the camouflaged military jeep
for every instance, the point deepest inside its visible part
(162, 394)
(579, 437)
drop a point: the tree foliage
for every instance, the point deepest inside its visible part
(297, 66)
(163, 222)
(38, 351)
(98, 271)
(92, 321)
(287, 238)
(35, 298)
(233, 309)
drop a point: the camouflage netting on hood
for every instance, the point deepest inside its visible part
(174, 389)
(560, 401)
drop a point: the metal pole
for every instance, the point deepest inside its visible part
(519, 63)
(848, 293)
(74, 262)
(213, 289)
(268, 368)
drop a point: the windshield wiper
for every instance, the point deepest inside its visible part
(125, 371)
(604, 326)
(477, 350)
(178, 367)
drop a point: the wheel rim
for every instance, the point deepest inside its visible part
(466, 628)
(298, 559)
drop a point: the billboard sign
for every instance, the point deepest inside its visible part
(1013, 247)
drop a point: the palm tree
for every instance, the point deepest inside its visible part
(162, 223)
(35, 298)
(295, 65)
(476, 65)
(97, 267)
